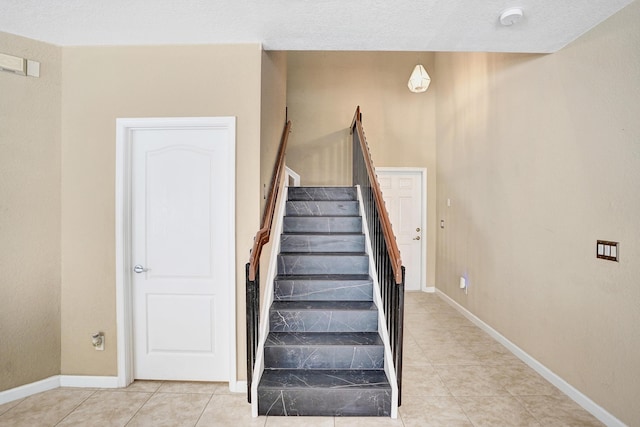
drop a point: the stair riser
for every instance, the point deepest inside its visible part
(323, 321)
(326, 357)
(318, 290)
(324, 402)
(293, 224)
(322, 208)
(323, 264)
(322, 193)
(311, 243)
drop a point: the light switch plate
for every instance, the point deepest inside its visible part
(607, 250)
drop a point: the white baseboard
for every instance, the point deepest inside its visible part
(87, 381)
(29, 389)
(80, 381)
(430, 289)
(596, 410)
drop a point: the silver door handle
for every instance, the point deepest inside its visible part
(139, 269)
(416, 238)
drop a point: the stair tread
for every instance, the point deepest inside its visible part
(323, 233)
(295, 339)
(340, 254)
(322, 193)
(321, 208)
(324, 277)
(322, 305)
(323, 216)
(326, 379)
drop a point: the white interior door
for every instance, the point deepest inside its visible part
(402, 192)
(180, 257)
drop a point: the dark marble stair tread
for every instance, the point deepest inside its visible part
(322, 305)
(324, 277)
(291, 339)
(323, 233)
(327, 224)
(324, 379)
(316, 217)
(322, 193)
(323, 263)
(327, 254)
(322, 243)
(324, 287)
(322, 208)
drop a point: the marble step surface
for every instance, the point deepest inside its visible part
(324, 287)
(322, 208)
(323, 263)
(322, 193)
(321, 242)
(323, 316)
(324, 350)
(322, 224)
(283, 392)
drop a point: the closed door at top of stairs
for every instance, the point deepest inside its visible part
(402, 192)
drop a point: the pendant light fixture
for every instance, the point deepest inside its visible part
(419, 79)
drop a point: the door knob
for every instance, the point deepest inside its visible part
(139, 269)
(418, 229)
(416, 238)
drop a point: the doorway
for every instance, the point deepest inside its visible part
(175, 249)
(404, 193)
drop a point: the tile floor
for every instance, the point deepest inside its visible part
(454, 375)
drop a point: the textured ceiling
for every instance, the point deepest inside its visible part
(386, 25)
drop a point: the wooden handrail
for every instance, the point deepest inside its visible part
(387, 230)
(262, 236)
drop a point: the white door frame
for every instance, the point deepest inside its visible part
(124, 296)
(423, 217)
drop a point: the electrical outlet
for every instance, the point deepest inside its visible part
(97, 340)
(463, 284)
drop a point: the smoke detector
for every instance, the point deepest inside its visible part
(511, 16)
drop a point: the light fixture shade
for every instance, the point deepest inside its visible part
(419, 80)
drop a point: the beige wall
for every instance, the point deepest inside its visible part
(29, 216)
(540, 156)
(273, 113)
(101, 84)
(323, 90)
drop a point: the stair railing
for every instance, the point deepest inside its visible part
(252, 268)
(385, 248)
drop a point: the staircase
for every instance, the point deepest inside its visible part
(323, 355)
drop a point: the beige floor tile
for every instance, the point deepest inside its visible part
(521, 380)
(144, 386)
(421, 321)
(434, 338)
(367, 421)
(559, 410)
(469, 380)
(493, 354)
(423, 381)
(6, 406)
(191, 387)
(497, 411)
(171, 410)
(44, 409)
(413, 355)
(106, 408)
(229, 410)
(451, 354)
(299, 421)
(438, 411)
(451, 320)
